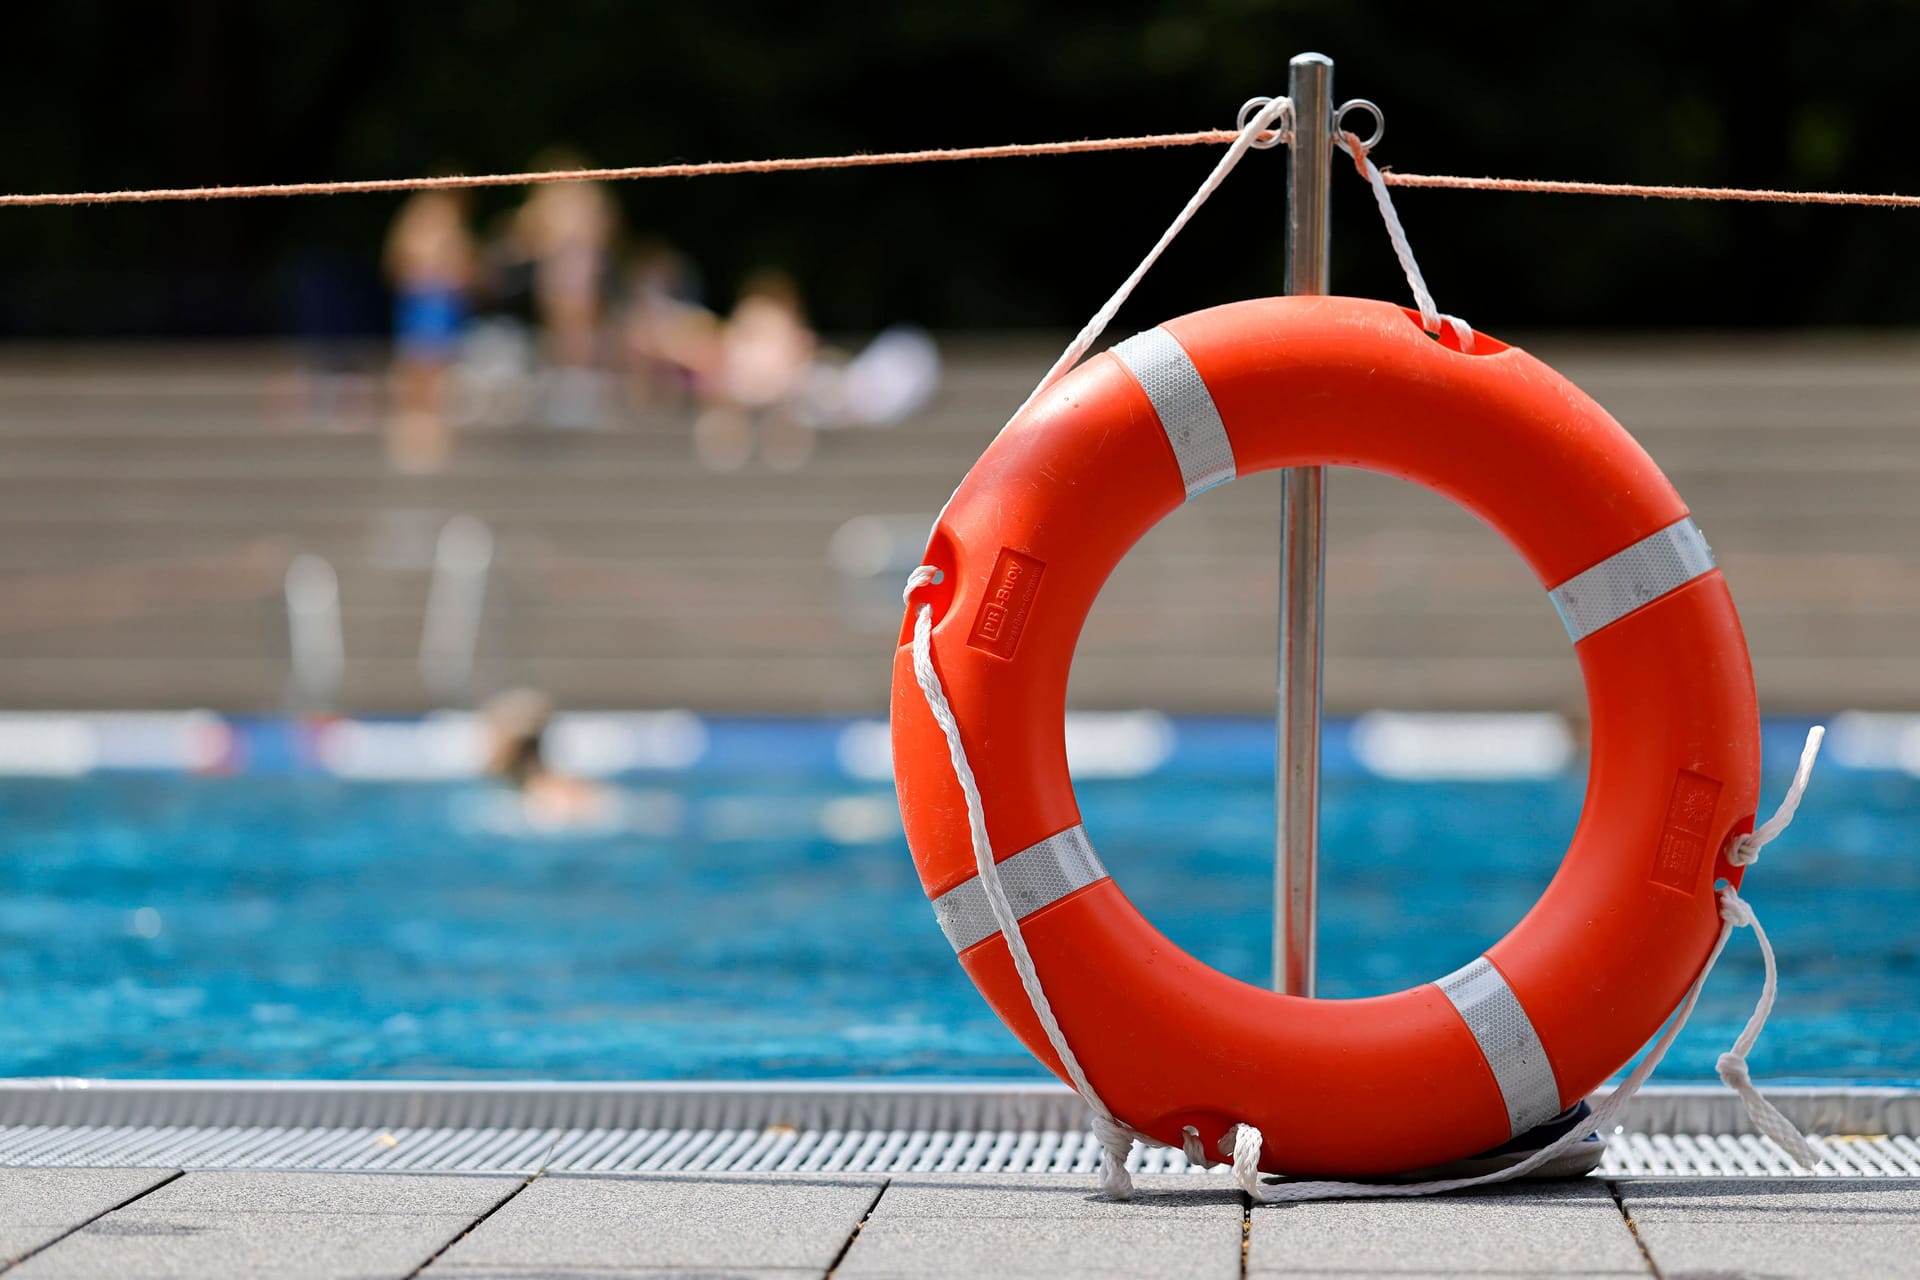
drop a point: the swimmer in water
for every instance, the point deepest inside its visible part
(516, 725)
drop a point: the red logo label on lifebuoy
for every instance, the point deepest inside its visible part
(1683, 842)
(1003, 614)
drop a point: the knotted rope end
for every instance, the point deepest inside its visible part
(1247, 1143)
(1732, 1066)
(1734, 909)
(1116, 1148)
(1734, 1072)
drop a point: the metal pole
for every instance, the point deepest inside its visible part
(1303, 561)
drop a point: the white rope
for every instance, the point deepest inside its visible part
(1243, 1143)
(1254, 132)
(1258, 118)
(1245, 1140)
(1732, 1066)
(1746, 850)
(1116, 1139)
(1431, 317)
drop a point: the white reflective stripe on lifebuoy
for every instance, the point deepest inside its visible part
(1625, 580)
(1184, 406)
(1509, 1043)
(1037, 876)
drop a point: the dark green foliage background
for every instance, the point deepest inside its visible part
(98, 94)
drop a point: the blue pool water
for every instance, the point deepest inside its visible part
(762, 924)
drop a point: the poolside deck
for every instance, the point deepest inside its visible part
(134, 1223)
(571, 1182)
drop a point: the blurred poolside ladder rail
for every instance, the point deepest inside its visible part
(456, 609)
(316, 638)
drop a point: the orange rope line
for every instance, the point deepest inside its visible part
(718, 168)
(709, 169)
(1760, 195)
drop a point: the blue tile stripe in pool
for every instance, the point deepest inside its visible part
(448, 745)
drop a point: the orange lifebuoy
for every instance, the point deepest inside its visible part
(1337, 1087)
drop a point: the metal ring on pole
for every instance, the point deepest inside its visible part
(1273, 137)
(1361, 104)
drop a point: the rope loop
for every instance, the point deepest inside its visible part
(1245, 1140)
(1352, 105)
(1246, 1144)
(1266, 113)
(1732, 1065)
(1263, 123)
(920, 577)
(1738, 913)
(1745, 850)
(1432, 319)
(1257, 120)
(1116, 1139)
(1270, 138)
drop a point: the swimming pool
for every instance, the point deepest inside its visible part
(754, 914)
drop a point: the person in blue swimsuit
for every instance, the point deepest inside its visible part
(430, 262)
(427, 321)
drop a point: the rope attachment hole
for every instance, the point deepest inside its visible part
(932, 584)
(1450, 333)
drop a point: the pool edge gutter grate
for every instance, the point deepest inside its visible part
(784, 1128)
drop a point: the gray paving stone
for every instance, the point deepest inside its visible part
(290, 1226)
(1047, 1195)
(1546, 1229)
(609, 1225)
(761, 1227)
(1778, 1228)
(1051, 1226)
(38, 1206)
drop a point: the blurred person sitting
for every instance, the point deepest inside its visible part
(430, 262)
(516, 724)
(766, 353)
(888, 381)
(672, 341)
(566, 229)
